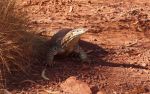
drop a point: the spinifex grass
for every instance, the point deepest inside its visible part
(17, 47)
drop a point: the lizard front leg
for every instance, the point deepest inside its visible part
(49, 61)
(82, 55)
(50, 56)
(51, 53)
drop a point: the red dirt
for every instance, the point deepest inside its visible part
(118, 41)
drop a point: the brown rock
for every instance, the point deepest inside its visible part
(74, 86)
(100, 92)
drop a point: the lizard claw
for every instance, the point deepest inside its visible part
(51, 64)
(43, 75)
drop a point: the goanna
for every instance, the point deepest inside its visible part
(66, 42)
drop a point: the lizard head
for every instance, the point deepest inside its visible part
(78, 32)
(72, 37)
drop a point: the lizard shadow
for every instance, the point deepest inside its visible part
(95, 52)
(67, 67)
(99, 52)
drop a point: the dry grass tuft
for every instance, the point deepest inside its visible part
(18, 48)
(11, 27)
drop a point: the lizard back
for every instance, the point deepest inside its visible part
(56, 38)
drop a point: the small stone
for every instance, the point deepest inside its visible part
(95, 39)
(74, 86)
(144, 64)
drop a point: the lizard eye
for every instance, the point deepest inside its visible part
(55, 48)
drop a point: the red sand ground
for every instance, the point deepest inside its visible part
(118, 44)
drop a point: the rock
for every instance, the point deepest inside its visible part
(74, 86)
(143, 64)
(100, 92)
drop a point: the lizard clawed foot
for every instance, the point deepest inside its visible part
(43, 75)
(51, 64)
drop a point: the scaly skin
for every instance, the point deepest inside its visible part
(65, 43)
